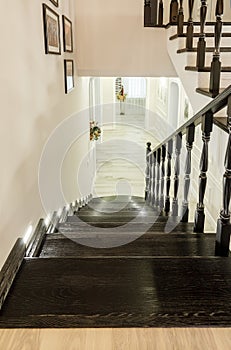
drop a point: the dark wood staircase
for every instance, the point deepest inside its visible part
(196, 36)
(157, 280)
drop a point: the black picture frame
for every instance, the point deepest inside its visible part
(67, 34)
(69, 75)
(51, 26)
(55, 2)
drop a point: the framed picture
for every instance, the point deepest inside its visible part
(51, 31)
(68, 75)
(55, 2)
(67, 35)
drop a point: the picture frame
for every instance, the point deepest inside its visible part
(51, 26)
(67, 35)
(55, 2)
(68, 75)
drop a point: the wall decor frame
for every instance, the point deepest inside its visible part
(55, 2)
(67, 35)
(51, 26)
(68, 75)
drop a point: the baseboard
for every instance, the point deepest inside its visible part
(10, 268)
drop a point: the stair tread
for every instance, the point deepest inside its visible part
(206, 92)
(124, 226)
(208, 49)
(155, 292)
(207, 69)
(157, 244)
(196, 35)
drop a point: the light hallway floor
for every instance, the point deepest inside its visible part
(121, 157)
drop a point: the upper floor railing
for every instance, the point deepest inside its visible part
(178, 10)
(159, 179)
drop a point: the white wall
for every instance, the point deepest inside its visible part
(159, 110)
(33, 103)
(112, 41)
(108, 101)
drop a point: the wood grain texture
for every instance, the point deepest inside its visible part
(116, 339)
(151, 292)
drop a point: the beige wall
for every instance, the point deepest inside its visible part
(112, 41)
(33, 103)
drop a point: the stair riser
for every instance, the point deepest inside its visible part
(203, 79)
(192, 58)
(225, 42)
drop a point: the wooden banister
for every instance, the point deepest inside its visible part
(162, 172)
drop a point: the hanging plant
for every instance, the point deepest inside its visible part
(95, 131)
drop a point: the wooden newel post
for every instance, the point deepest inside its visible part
(223, 223)
(168, 176)
(160, 13)
(189, 38)
(206, 127)
(147, 175)
(214, 85)
(178, 146)
(201, 46)
(147, 13)
(173, 11)
(190, 134)
(180, 19)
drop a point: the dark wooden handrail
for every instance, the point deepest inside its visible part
(214, 106)
(157, 177)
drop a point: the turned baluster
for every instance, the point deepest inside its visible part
(160, 13)
(190, 133)
(158, 159)
(180, 19)
(147, 13)
(189, 38)
(173, 11)
(178, 146)
(168, 176)
(163, 156)
(214, 85)
(223, 223)
(201, 46)
(154, 6)
(149, 198)
(147, 173)
(154, 179)
(206, 127)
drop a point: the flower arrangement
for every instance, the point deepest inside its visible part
(95, 131)
(121, 96)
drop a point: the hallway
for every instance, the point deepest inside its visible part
(120, 157)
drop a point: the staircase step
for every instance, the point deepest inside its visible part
(158, 244)
(154, 292)
(207, 69)
(118, 217)
(208, 49)
(123, 226)
(206, 92)
(196, 35)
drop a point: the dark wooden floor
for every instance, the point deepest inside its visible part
(157, 280)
